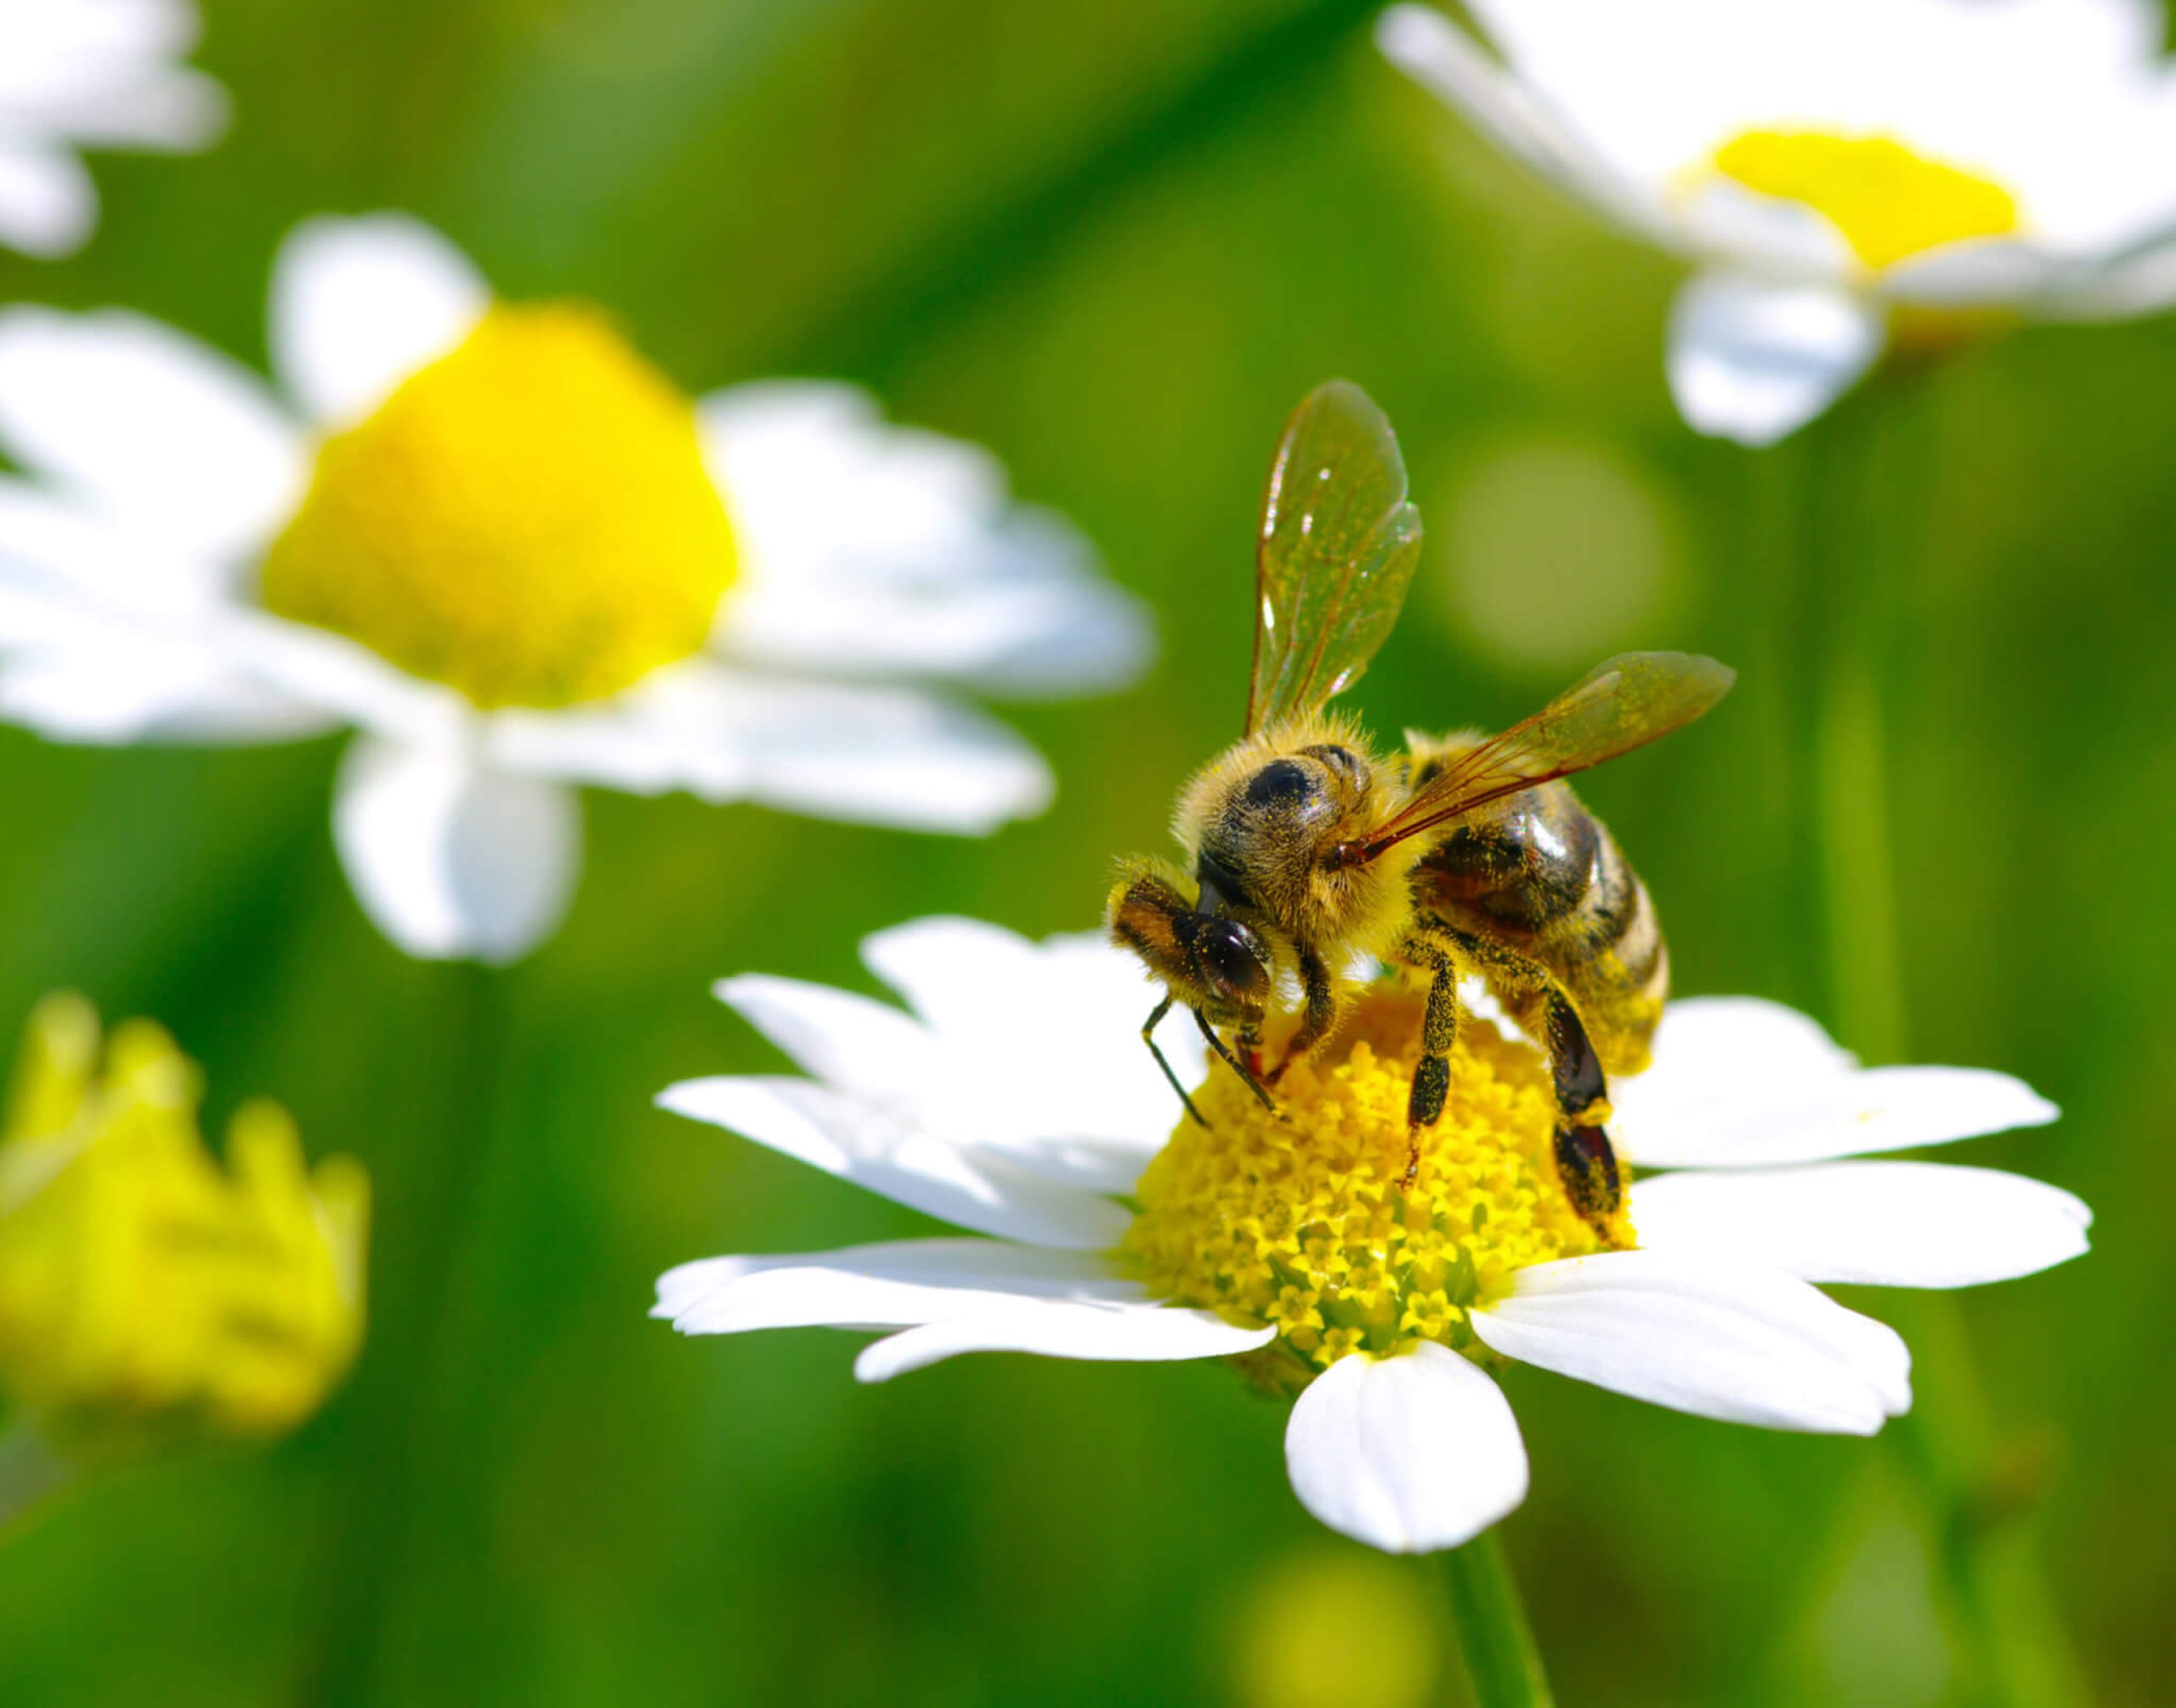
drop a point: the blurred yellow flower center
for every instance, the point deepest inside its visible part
(1890, 202)
(143, 1293)
(527, 519)
(1304, 1223)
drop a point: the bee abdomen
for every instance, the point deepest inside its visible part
(1543, 876)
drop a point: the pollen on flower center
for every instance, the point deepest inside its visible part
(527, 519)
(1304, 1223)
(1890, 202)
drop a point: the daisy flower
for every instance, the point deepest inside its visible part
(1843, 174)
(145, 1293)
(1096, 1228)
(96, 73)
(500, 545)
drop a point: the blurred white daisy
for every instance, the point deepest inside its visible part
(1843, 173)
(498, 543)
(94, 74)
(1098, 1230)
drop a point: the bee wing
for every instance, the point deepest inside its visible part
(1338, 546)
(1632, 700)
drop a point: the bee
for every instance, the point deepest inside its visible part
(1311, 857)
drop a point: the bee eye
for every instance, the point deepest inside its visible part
(1231, 957)
(1280, 783)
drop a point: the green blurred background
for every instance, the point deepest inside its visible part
(1116, 243)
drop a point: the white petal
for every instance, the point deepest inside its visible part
(1408, 1453)
(99, 71)
(856, 1140)
(895, 1285)
(452, 861)
(874, 550)
(854, 1042)
(1752, 361)
(1765, 235)
(2144, 283)
(1812, 1120)
(358, 305)
(870, 754)
(347, 680)
(1875, 1224)
(134, 575)
(156, 427)
(978, 1073)
(1440, 57)
(128, 688)
(1739, 1342)
(950, 968)
(1712, 1048)
(993, 1000)
(1987, 272)
(904, 760)
(48, 203)
(1118, 1333)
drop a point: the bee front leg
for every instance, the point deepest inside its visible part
(1319, 1015)
(1238, 1064)
(1148, 1037)
(1439, 1033)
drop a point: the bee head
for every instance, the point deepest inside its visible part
(1210, 963)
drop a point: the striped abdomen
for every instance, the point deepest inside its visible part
(1540, 876)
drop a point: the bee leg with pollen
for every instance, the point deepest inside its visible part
(1316, 1020)
(1439, 1033)
(1148, 1037)
(1585, 1160)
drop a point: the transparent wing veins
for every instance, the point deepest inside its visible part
(1337, 550)
(1624, 704)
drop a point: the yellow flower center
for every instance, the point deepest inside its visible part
(1305, 1223)
(527, 519)
(144, 1292)
(1890, 202)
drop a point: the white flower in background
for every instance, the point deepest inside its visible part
(1841, 172)
(1098, 1231)
(499, 544)
(90, 74)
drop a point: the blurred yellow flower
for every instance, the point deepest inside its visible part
(528, 518)
(144, 1294)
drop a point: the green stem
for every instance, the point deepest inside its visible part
(31, 1472)
(2009, 1643)
(1501, 1659)
(428, 1166)
(1851, 760)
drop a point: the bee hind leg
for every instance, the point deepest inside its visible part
(1439, 1032)
(1586, 1161)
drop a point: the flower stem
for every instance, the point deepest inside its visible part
(1501, 1661)
(1873, 458)
(427, 1167)
(31, 1472)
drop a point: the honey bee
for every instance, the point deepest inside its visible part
(1313, 855)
